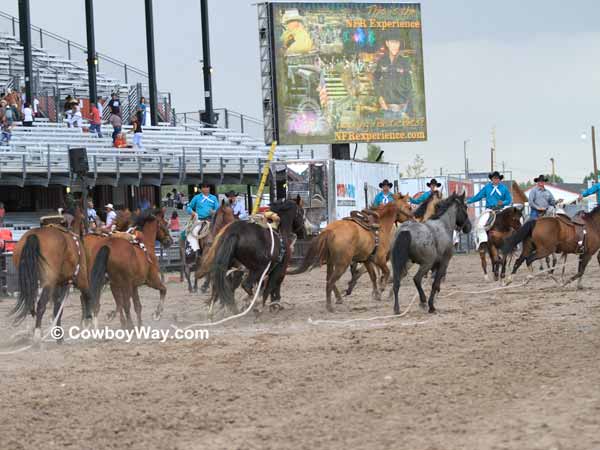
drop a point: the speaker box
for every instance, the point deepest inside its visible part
(79, 161)
(340, 151)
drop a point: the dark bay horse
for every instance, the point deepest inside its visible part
(190, 263)
(249, 245)
(548, 235)
(51, 258)
(507, 222)
(131, 265)
(430, 245)
(344, 242)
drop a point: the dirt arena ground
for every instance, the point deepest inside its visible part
(514, 369)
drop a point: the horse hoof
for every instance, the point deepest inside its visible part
(432, 310)
(275, 307)
(156, 315)
(330, 308)
(397, 311)
(111, 315)
(423, 305)
(37, 337)
(486, 277)
(339, 301)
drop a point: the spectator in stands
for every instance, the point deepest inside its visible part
(169, 200)
(144, 204)
(115, 104)
(174, 222)
(69, 102)
(117, 124)
(100, 106)
(75, 119)
(2, 214)
(111, 216)
(137, 132)
(36, 108)
(239, 209)
(92, 215)
(142, 109)
(95, 120)
(27, 115)
(177, 198)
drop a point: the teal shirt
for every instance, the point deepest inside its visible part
(423, 197)
(593, 189)
(493, 195)
(380, 198)
(203, 205)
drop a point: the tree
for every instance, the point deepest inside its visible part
(590, 177)
(373, 151)
(526, 185)
(555, 179)
(417, 168)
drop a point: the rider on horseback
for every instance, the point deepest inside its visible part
(202, 207)
(497, 197)
(540, 198)
(433, 186)
(385, 196)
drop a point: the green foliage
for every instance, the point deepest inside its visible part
(416, 168)
(590, 177)
(373, 151)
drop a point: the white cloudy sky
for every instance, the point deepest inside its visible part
(531, 68)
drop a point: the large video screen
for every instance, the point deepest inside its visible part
(348, 72)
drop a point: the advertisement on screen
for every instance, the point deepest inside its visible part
(348, 72)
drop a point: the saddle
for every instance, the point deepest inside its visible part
(268, 217)
(367, 219)
(579, 225)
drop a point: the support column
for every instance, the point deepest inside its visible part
(151, 63)
(91, 51)
(25, 31)
(208, 115)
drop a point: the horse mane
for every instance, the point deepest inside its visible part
(443, 206)
(593, 212)
(283, 205)
(146, 216)
(422, 209)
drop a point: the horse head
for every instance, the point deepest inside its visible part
(404, 211)
(292, 216)
(462, 215)
(156, 216)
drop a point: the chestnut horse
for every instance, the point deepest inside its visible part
(130, 265)
(223, 216)
(51, 258)
(344, 241)
(427, 209)
(548, 235)
(507, 222)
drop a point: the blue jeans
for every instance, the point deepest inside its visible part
(96, 128)
(534, 214)
(116, 133)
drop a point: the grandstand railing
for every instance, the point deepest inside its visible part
(227, 118)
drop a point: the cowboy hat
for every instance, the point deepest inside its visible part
(541, 178)
(495, 174)
(291, 15)
(384, 183)
(434, 182)
(231, 194)
(109, 206)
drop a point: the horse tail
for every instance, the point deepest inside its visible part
(519, 236)
(400, 254)
(317, 252)
(29, 277)
(207, 258)
(224, 250)
(98, 275)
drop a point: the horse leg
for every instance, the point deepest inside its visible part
(418, 280)
(188, 276)
(356, 273)
(583, 262)
(495, 260)
(385, 275)
(126, 295)
(118, 309)
(334, 273)
(371, 270)
(58, 297)
(137, 306)
(39, 313)
(482, 253)
(435, 288)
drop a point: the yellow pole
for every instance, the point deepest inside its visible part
(263, 179)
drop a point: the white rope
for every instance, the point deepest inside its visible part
(249, 308)
(364, 319)
(54, 322)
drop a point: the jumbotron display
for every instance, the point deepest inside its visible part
(348, 72)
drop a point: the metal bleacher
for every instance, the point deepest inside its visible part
(170, 155)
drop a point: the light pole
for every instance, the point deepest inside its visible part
(553, 176)
(466, 160)
(595, 174)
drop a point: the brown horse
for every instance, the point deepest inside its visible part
(130, 265)
(548, 235)
(223, 216)
(507, 222)
(344, 242)
(52, 258)
(427, 209)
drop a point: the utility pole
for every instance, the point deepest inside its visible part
(503, 167)
(493, 149)
(91, 52)
(466, 160)
(208, 115)
(25, 34)
(151, 64)
(595, 162)
(553, 176)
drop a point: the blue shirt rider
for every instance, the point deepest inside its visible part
(433, 186)
(593, 189)
(204, 204)
(385, 196)
(496, 195)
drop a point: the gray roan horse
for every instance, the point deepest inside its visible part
(429, 245)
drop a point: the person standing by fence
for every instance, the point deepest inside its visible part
(27, 115)
(95, 120)
(137, 132)
(117, 124)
